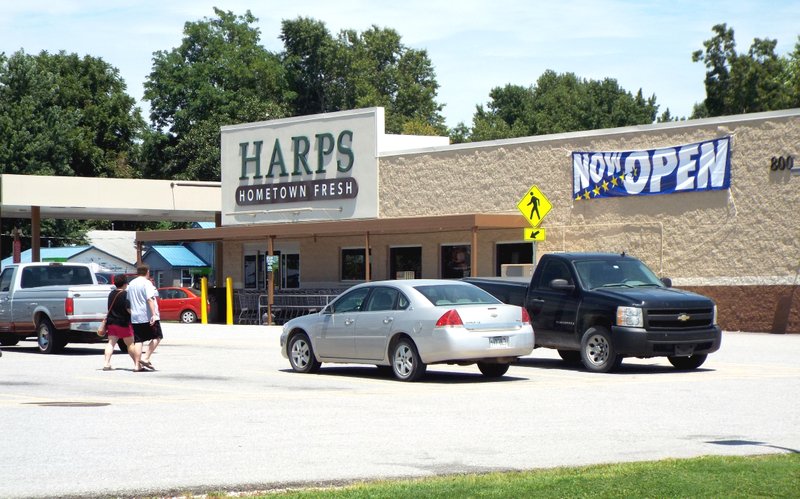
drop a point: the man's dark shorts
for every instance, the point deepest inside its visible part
(146, 332)
(143, 332)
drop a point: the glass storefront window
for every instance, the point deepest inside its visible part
(353, 264)
(290, 271)
(456, 261)
(405, 262)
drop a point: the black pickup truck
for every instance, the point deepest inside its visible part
(598, 308)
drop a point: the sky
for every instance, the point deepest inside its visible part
(474, 46)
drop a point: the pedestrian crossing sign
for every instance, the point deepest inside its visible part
(534, 206)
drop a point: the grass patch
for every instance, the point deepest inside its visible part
(774, 475)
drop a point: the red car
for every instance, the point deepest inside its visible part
(179, 304)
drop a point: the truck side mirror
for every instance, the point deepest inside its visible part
(561, 285)
(667, 281)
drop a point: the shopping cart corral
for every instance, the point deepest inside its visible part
(294, 303)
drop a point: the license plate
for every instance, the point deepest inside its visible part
(498, 342)
(684, 350)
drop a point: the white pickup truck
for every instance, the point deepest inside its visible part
(56, 303)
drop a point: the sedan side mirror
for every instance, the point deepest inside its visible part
(667, 281)
(561, 285)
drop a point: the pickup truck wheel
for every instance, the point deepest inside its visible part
(8, 340)
(493, 370)
(688, 363)
(597, 351)
(49, 340)
(188, 317)
(301, 354)
(570, 356)
(406, 364)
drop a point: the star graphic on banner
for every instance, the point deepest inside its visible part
(578, 197)
(622, 177)
(605, 185)
(586, 195)
(614, 181)
(596, 191)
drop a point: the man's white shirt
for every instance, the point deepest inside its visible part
(139, 291)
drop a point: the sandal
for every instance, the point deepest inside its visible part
(108, 368)
(146, 364)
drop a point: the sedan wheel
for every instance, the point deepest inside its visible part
(597, 352)
(493, 370)
(301, 354)
(688, 363)
(188, 317)
(406, 364)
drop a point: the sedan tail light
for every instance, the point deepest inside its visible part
(69, 306)
(450, 318)
(526, 319)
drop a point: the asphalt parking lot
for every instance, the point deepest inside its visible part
(224, 411)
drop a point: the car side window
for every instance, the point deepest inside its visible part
(554, 270)
(402, 301)
(5, 280)
(180, 294)
(382, 298)
(29, 279)
(350, 302)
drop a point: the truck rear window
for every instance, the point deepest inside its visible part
(62, 275)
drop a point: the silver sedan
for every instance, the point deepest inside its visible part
(408, 324)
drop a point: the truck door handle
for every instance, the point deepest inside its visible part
(388, 320)
(536, 300)
(347, 322)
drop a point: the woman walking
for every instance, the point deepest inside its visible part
(118, 322)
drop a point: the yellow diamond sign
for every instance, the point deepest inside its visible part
(534, 206)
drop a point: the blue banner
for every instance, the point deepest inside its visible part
(702, 166)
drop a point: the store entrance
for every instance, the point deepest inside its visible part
(287, 273)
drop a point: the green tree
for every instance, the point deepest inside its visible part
(61, 114)
(559, 103)
(357, 70)
(219, 75)
(736, 83)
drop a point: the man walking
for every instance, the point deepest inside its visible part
(142, 297)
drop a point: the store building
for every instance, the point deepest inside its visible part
(710, 203)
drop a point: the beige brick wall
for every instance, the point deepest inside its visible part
(748, 235)
(736, 244)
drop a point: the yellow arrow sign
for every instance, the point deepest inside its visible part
(534, 206)
(533, 234)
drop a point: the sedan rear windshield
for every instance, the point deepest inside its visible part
(455, 294)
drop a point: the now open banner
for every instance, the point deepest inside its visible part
(702, 166)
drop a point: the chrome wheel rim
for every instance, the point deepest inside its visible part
(597, 349)
(301, 354)
(44, 338)
(188, 317)
(403, 361)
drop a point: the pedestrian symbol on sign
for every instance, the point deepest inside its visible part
(534, 206)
